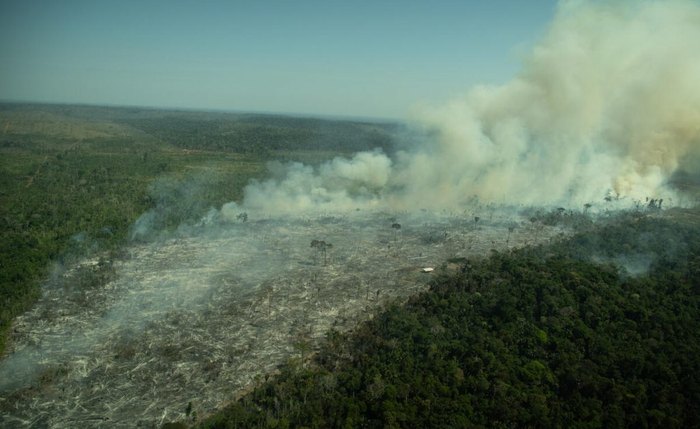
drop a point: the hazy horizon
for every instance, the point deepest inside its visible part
(368, 59)
(210, 110)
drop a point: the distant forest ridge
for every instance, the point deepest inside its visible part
(241, 132)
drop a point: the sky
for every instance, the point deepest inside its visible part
(376, 59)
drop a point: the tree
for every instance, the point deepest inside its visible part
(302, 342)
(510, 231)
(397, 228)
(322, 247)
(325, 254)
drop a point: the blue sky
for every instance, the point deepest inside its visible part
(350, 58)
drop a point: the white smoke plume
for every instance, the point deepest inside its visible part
(607, 104)
(610, 99)
(341, 184)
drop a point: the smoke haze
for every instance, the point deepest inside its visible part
(607, 104)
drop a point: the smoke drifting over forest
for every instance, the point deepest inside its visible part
(607, 104)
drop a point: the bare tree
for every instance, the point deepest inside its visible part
(268, 290)
(325, 252)
(316, 244)
(510, 231)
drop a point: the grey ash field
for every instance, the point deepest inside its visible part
(201, 316)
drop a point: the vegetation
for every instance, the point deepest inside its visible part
(263, 134)
(73, 179)
(321, 247)
(599, 330)
(543, 337)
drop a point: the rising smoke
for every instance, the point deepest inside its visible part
(606, 105)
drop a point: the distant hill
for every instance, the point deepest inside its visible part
(240, 132)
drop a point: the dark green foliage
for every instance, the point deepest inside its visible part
(58, 202)
(535, 338)
(632, 234)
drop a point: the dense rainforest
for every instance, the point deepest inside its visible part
(599, 330)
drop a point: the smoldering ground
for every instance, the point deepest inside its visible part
(607, 105)
(198, 316)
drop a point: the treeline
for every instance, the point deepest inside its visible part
(543, 337)
(261, 134)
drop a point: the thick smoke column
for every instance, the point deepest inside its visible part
(608, 103)
(609, 100)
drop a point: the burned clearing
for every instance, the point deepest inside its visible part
(202, 316)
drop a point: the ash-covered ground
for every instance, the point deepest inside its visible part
(201, 317)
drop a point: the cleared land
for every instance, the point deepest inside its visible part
(202, 315)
